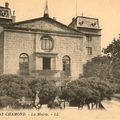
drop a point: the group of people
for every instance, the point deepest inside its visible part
(58, 103)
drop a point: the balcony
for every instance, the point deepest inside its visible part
(45, 72)
(56, 75)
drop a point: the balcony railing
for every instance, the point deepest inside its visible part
(45, 72)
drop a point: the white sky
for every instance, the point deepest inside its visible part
(107, 11)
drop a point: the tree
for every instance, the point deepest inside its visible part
(98, 67)
(13, 89)
(113, 51)
(87, 90)
(47, 89)
(14, 86)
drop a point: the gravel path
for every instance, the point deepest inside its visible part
(112, 112)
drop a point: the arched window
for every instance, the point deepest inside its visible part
(24, 63)
(46, 43)
(66, 65)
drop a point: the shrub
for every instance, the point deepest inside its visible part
(8, 101)
(14, 86)
(47, 89)
(87, 89)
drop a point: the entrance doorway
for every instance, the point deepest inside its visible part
(46, 63)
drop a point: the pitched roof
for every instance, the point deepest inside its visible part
(49, 20)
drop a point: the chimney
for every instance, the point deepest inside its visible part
(73, 18)
(13, 17)
(6, 5)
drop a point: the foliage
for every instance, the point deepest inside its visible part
(106, 67)
(8, 101)
(14, 86)
(113, 49)
(53, 105)
(103, 87)
(97, 67)
(91, 88)
(47, 89)
(116, 88)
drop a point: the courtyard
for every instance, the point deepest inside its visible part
(112, 112)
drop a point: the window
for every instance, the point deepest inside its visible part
(46, 63)
(66, 65)
(89, 50)
(24, 63)
(46, 43)
(89, 38)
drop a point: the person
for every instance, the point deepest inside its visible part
(57, 101)
(37, 101)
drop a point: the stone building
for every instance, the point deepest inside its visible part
(45, 47)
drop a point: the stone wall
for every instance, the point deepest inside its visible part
(73, 46)
(1, 49)
(95, 44)
(70, 46)
(16, 43)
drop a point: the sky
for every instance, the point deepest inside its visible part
(107, 11)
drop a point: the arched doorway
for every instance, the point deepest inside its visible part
(24, 63)
(66, 65)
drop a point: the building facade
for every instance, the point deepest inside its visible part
(45, 47)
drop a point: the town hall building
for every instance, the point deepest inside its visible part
(45, 47)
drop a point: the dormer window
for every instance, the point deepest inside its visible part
(46, 43)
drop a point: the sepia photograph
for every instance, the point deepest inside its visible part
(59, 60)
